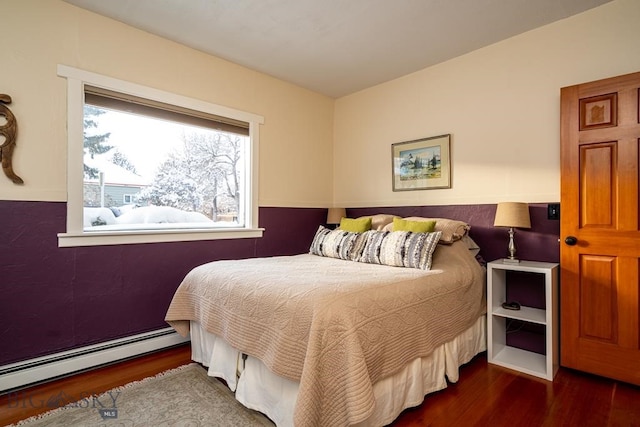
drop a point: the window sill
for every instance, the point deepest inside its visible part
(67, 240)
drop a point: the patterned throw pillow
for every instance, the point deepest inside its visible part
(400, 248)
(337, 244)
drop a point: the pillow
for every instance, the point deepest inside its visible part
(452, 230)
(357, 225)
(378, 221)
(415, 226)
(400, 248)
(473, 246)
(337, 244)
(474, 250)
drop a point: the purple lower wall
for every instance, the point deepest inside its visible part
(540, 243)
(54, 299)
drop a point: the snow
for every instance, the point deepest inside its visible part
(113, 174)
(103, 219)
(160, 215)
(119, 210)
(103, 216)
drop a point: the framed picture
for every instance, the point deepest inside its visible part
(421, 164)
(599, 111)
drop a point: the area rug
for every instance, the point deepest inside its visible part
(181, 397)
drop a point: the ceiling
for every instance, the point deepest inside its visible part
(337, 47)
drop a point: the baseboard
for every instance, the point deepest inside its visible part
(31, 371)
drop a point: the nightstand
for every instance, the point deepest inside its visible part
(501, 320)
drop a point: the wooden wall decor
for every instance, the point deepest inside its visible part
(9, 131)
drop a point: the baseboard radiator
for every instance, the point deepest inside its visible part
(44, 368)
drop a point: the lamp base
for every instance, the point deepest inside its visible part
(511, 259)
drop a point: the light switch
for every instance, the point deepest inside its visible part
(553, 211)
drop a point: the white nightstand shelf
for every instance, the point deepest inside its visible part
(498, 351)
(520, 360)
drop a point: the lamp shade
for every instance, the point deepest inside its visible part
(512, 214)
(335, 215)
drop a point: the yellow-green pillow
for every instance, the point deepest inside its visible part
(358, 225)
(400, 224)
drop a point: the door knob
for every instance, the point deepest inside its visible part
(570, 240)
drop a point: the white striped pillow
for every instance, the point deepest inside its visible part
(400, 248)
(337, 243)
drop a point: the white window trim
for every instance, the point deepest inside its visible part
(75, 234)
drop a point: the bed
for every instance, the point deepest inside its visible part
(351, 333)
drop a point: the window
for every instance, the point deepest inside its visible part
(150, 166)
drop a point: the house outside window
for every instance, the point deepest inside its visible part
(151, 166)
(129, 199)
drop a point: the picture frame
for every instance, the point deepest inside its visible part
(421, 164)
(599, 111)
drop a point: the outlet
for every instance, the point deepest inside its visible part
(553, 211)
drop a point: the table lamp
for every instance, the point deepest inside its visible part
(334, 215)
(512, 215)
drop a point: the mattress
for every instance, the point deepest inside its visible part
(258, 388)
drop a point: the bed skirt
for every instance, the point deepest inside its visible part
(258, 388)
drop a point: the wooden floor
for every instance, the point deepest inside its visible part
(485, 395)
(32, 401)
(489, 395)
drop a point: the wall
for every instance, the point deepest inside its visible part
(55, 299)
(501, 105)
(540, 243)
(39, 34)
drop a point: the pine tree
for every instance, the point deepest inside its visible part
(93, 144)
(120, 159)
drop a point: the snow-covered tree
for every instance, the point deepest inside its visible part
(172, 186)
(216, 158)
(93, 144)
(203, 176)
(120, 159)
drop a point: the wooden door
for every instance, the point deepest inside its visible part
(599, 226)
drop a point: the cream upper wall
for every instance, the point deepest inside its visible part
(39, 34)
(500, 104)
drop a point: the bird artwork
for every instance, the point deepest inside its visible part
(9, 130)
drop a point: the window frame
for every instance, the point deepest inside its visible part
(75, 234)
